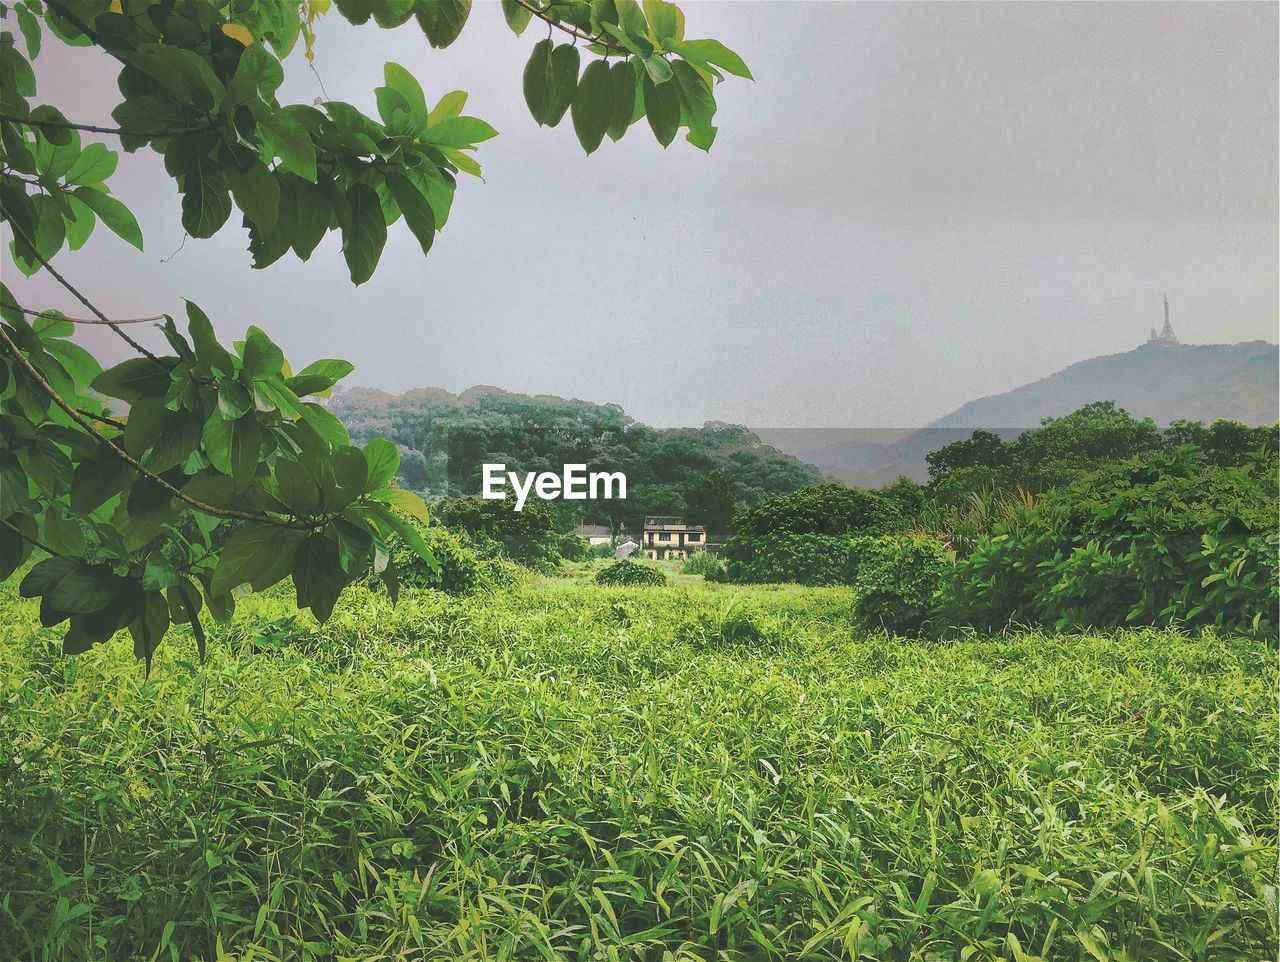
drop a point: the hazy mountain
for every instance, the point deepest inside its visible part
(1166, 382)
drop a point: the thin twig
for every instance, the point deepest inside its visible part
(563, 27)
(133, 462)
(59, 316)
(116, 131)
(27, 538)
(67, 284)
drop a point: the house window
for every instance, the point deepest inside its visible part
(695, 537)
(664, 537)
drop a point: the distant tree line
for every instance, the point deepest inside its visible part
(706, 475)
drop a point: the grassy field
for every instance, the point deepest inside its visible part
(697, 772)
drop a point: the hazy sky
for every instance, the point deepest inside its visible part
(913, 206)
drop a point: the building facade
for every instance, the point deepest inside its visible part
(668, 537)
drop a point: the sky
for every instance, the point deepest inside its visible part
(912, 206)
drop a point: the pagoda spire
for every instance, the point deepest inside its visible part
(1166, 333)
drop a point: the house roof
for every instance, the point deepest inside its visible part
(593, 531)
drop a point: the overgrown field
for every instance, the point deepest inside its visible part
(566, 771)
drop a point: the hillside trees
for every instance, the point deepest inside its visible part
(119, 477)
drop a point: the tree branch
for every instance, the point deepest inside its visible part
(117, 131)
(67, 284)
(59, 316)
(133, 462)
(27, 538)
(560, 25)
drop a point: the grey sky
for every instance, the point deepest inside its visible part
(915, 205)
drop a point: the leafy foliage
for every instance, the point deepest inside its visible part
(628, 572)
(704, 474)
(803, 536)
(1063, 448)
(706, 564)
(806, 559)
(1166, 540)
(119, 478)
(897, 580)
(528, 537)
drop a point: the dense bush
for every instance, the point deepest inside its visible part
(803, 536)
(1166, 540)
(574, 547)
(706, 564)
(457, 564)
(527, 537)
(897, 581)
(628, 572)
(806, 559)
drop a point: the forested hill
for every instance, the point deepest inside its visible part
(1165, 382)
(703, 473)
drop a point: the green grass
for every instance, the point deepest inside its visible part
(694, 772)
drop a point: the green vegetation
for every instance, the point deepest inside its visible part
(121, 476)
(571, 771)
(705, 475)
(628, 572)
(1165, 540)
(897, 580)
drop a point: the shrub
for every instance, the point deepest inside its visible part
(458, 569)
(897, 581)
(628, 572)
(1166, 540)
(573, 547)
(704, 563)
(812, 559)
(732, 628)
(803, 536)
(527, 537)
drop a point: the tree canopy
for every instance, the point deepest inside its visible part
(119, 477)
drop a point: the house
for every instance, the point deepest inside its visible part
(668, 537)
(594, 533)
(625, 549)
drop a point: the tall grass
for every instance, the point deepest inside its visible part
(573, 772)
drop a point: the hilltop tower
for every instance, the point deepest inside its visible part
(1166, 335)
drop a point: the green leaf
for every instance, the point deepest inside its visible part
(704, 52)
(550, 78)
(211, 355)
(666, 22)
(81, 223)
(622, 79)
(458, 132)
(233, 399)
(30, 28)
(206, 203)
(262, 357)
(118, 218)
(383, 459)
(662, 106)
(415, 207)
(404, 501)
(95, 164)
(257, 194)
(319, 376)
(133, 380)
(405, 530)
(404, 84)
(449, 106)
(593, 105)
(517, 15)
(366, 234)
(325, 424)
(318, 575)
(260, 554)
(287, 139)
(233, 447)
(442, 20)
(70, 584)
(658, 68)
(697, 105)
(149, 628)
